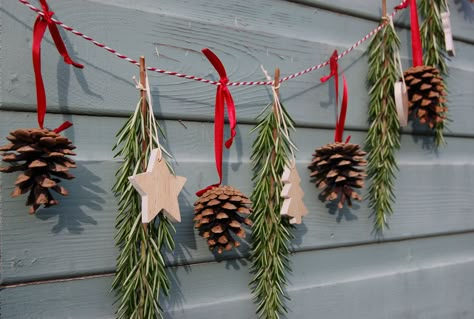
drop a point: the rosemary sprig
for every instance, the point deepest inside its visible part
(432, 37)
(141, 271)
(271, 234)
(383, 137)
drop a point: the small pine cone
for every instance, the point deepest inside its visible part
(217, 216)
(41, 156)
(426, 94)
(334, 169)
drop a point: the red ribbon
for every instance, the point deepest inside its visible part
(340, 122)
(63, 127)
(41, 23)
(223, 97)
(416, 47)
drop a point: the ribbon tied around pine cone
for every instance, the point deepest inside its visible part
(42, 22)
(223, 97)
(340, 121)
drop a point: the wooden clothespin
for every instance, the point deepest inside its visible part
(144, 107)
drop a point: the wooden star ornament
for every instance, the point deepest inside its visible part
(293, 205)
(159, 189)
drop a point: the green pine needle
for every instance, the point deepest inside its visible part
(141, 271)
(383, 137)
(271, 234)
(432, 37)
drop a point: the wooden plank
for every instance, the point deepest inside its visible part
(421, 278)
(434, 195)
(462, 13)
(80, 299)
(250, 14)
(105, 87)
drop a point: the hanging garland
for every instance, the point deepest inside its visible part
(271, 234)
(141, 275)
(434, 45)
(193, 77)
(383, 137)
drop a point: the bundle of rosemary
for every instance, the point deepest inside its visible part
(383, 137)
(141, 271)
(271, 234)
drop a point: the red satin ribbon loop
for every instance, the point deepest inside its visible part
(42, 22)
(340, 121)
(416, 46)
(223, 98)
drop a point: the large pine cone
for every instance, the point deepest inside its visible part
(217, 216)
(426, 92)
(335, 171)
(42, 156)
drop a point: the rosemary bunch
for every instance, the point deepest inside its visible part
(141, 271)
(271, 234)
(432, 37)
(383, 137)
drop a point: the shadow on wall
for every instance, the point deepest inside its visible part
(84, 193)
(466, 7)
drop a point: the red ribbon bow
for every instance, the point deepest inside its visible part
(41, 23)
(416, 47)
(340, 122)
(223, 97)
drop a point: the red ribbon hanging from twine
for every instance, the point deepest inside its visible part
(42, 22)
(341, 120)
(416, 47)
(223, 97)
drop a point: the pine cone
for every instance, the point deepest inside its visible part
(426, 92)
(334, 169)
(217, 217)
(40, 154)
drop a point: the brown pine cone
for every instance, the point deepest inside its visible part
(42, 156)
(335, 170)
(426, 94)
(217, 217)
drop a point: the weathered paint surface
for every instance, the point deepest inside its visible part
(422, 268)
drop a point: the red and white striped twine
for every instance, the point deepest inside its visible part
(196, 78)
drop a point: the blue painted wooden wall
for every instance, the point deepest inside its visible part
(423, 267)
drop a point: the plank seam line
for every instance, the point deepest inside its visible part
(244, 256)
(57, 280)
(201, 119)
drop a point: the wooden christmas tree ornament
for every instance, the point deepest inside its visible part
(293, 205)
(218, 215)
(42, 156)
(159, 189)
